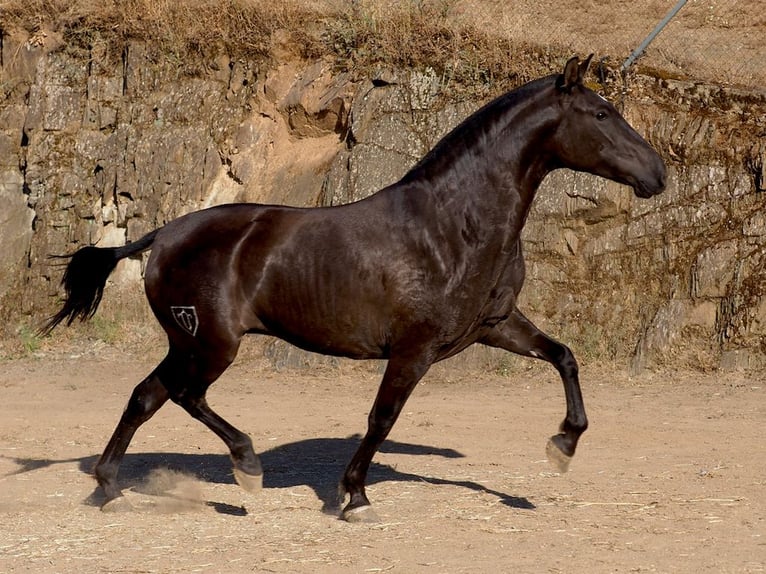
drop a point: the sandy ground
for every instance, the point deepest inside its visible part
(670, 477)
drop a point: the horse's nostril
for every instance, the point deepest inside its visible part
(661, 181)
(663, 173)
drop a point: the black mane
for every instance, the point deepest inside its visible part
(472, 130)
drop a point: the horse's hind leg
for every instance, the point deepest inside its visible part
(518, 335)
(247, 466)
(184, 380)
(187, 378)
(148, 396)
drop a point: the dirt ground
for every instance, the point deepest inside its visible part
(669, 478)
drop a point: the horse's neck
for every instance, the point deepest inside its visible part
(500, 175)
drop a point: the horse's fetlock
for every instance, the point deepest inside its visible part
(242, 445)
(104, 472)
(574, 426)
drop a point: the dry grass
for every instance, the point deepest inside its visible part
(712, 40)
(357, 35)
(189, 27)
(473, 42)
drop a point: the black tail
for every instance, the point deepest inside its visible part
(85, 278)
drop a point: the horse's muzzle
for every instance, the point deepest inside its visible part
(652, 183)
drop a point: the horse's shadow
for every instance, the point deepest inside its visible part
(316, 463)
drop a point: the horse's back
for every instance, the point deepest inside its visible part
(195, 242)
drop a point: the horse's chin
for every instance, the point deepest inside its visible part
(642, 192)
(645, 191)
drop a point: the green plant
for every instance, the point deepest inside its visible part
(505, 366)
(29, 339)
(104, 329)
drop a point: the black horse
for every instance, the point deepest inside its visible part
(414, 273)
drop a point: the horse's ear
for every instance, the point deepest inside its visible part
(583, 68)
(574, 72)
(570, 76)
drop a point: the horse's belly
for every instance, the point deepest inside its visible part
(324, 316)
(328, 337)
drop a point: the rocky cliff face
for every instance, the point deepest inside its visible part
(100, 150)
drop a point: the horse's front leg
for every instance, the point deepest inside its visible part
(399, 380)
(518, 335)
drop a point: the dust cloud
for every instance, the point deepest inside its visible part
(170, 491)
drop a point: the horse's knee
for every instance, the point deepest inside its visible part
(379, 425)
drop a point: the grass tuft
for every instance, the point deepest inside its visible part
(358, 36)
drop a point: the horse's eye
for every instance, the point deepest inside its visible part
(601, 116)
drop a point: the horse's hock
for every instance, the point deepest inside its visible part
(92, 152)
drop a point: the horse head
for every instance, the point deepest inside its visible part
(592, 136)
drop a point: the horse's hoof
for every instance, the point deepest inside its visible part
(556, 456)
(119, 504)
(360, 514)
(250, 482)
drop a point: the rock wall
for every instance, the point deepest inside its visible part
(100, 149)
